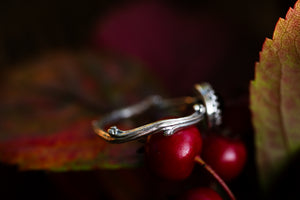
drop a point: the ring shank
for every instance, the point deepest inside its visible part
(205, 105)
(168, 126)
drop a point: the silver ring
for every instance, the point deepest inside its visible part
(205, 107)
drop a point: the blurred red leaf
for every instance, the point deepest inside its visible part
(275, 97)
(47, 106)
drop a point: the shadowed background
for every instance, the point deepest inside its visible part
(227, 34)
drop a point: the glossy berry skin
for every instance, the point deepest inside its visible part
(172, 157)
(225, 155)
(201, 193)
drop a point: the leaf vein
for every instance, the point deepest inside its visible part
(280, 107)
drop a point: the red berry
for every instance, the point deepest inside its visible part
(172, 157)
(148, 31)
(201, 193)
(226, 156)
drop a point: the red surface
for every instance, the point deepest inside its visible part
(172, 157)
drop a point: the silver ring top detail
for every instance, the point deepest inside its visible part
(210, 100)
(205, 106)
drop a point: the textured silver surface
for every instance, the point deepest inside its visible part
(205, 106)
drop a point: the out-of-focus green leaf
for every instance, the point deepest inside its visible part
(275, 97)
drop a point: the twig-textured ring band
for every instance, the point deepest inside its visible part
(205, 106)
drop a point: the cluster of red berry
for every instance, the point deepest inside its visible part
(173, 157)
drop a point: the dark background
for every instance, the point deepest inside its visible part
(29, 28)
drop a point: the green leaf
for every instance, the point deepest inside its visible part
(275, 97)
(47, 106)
